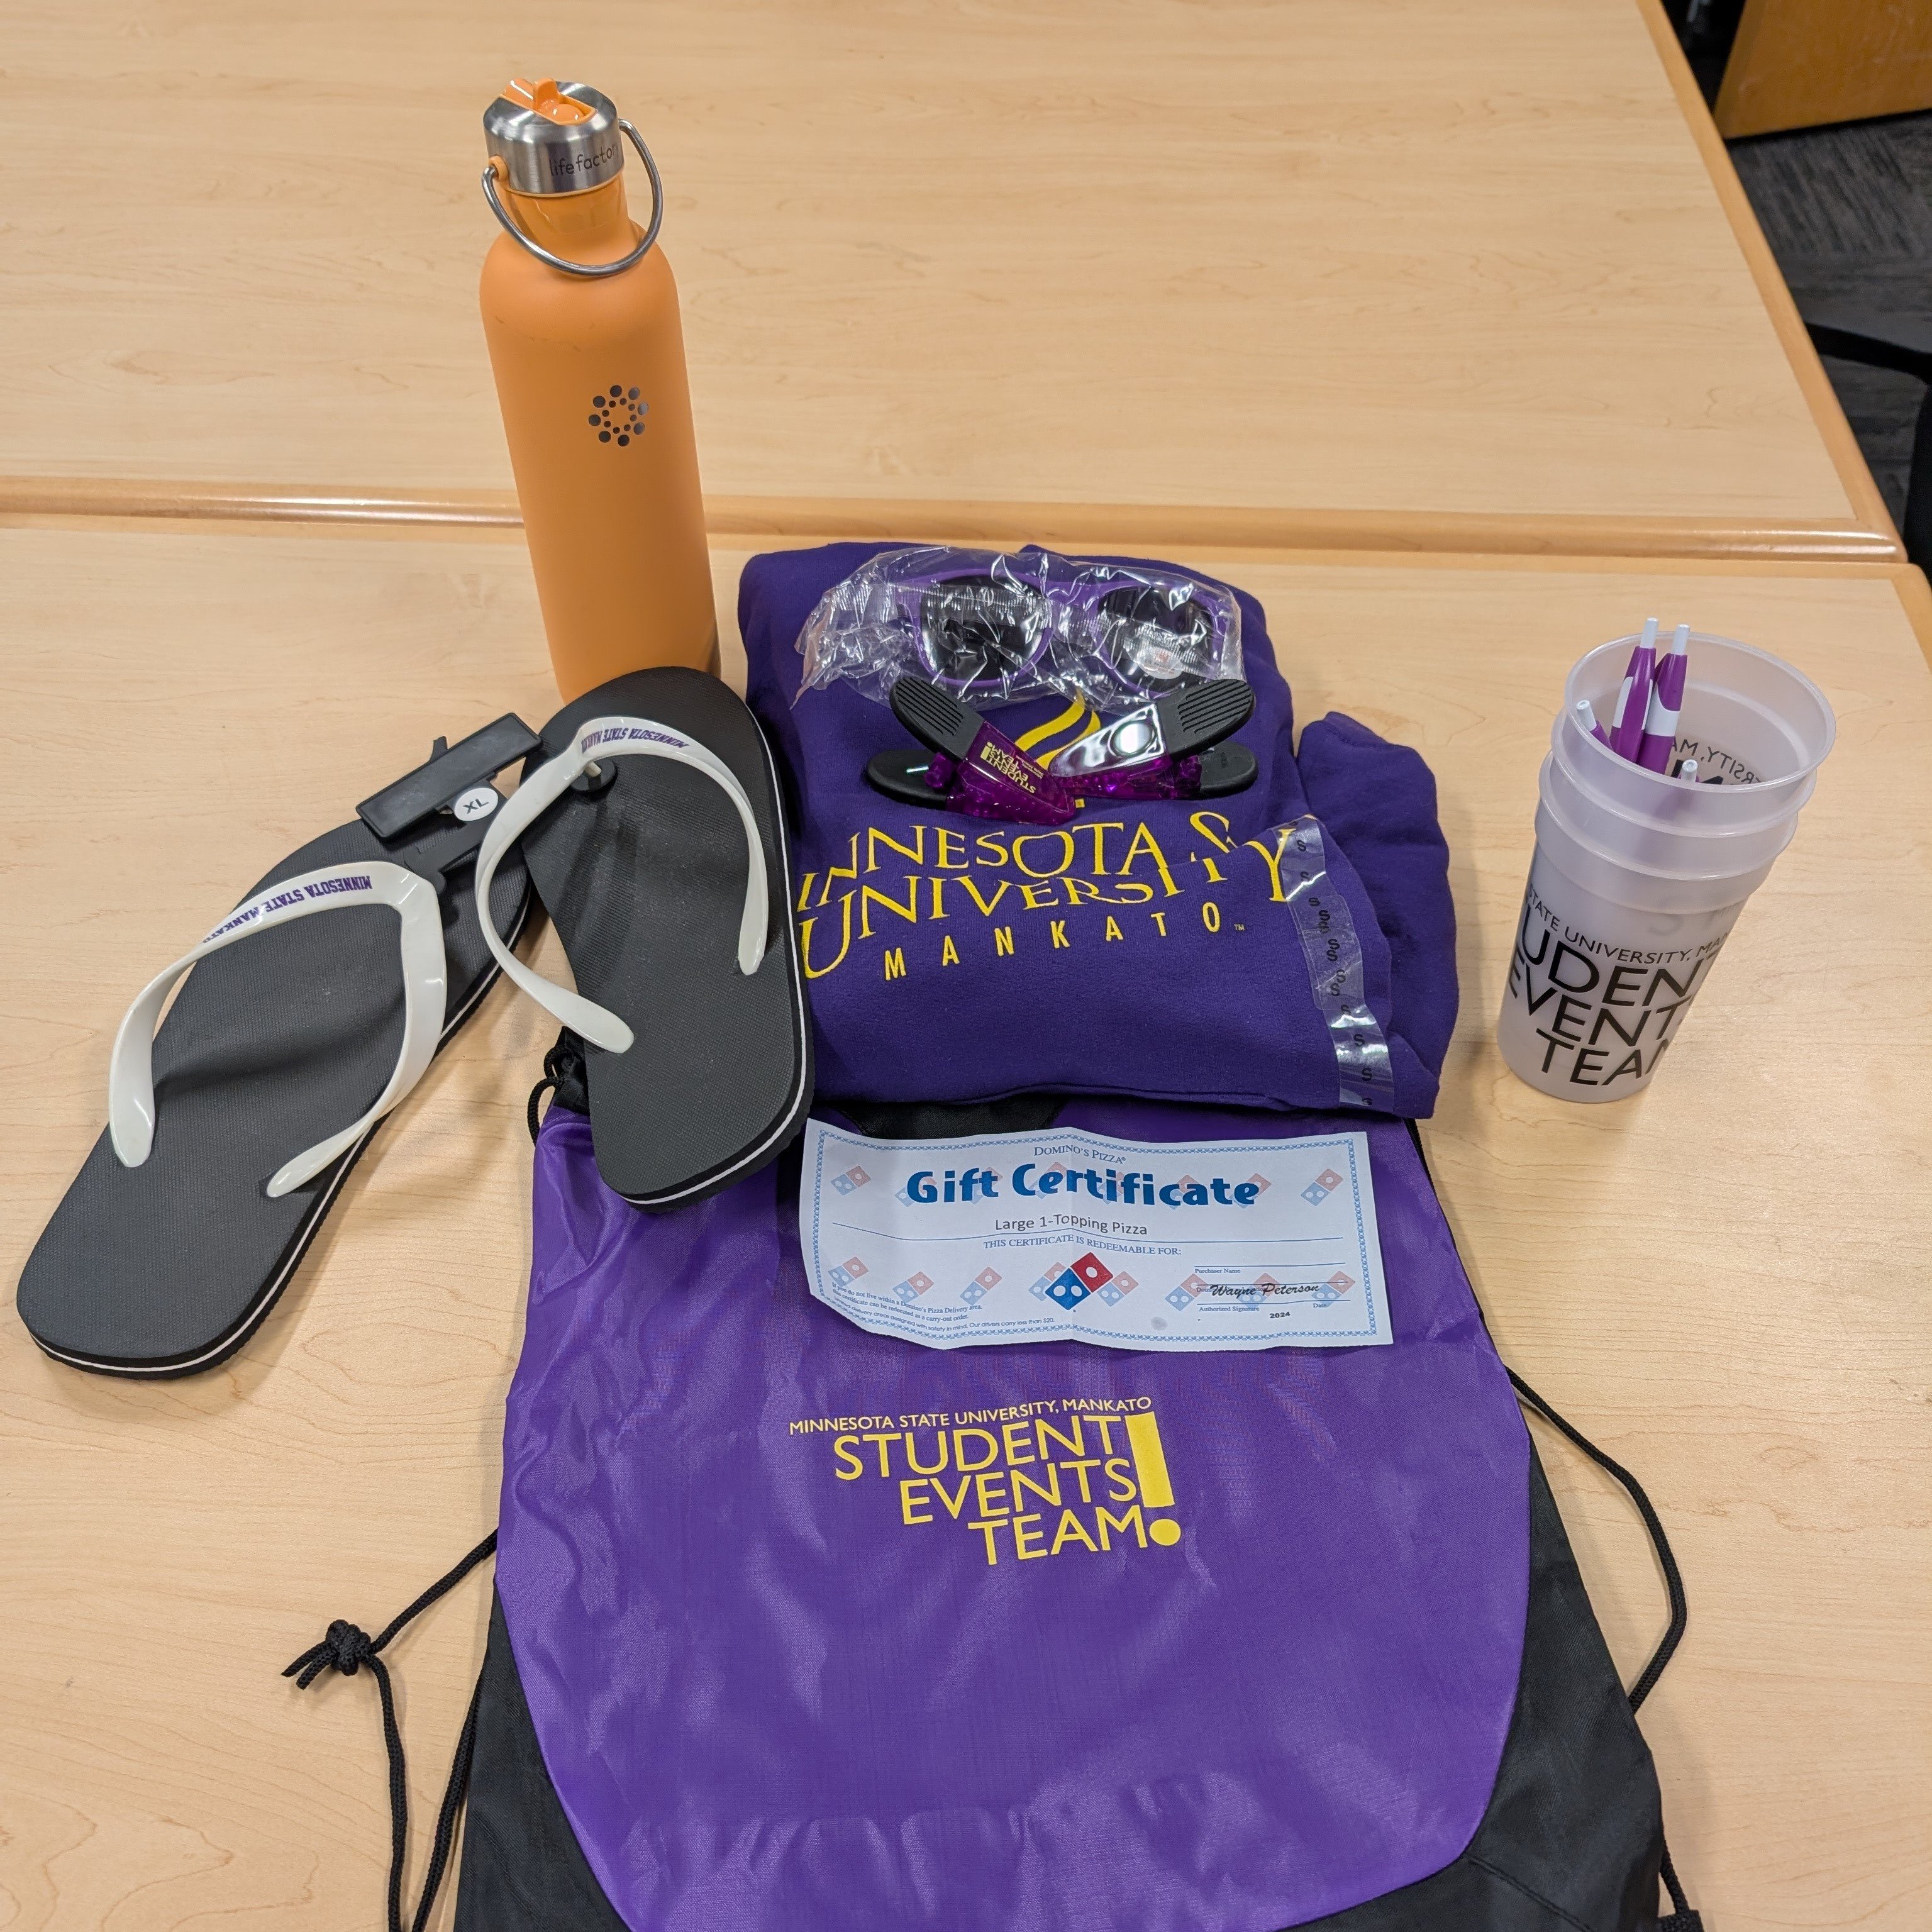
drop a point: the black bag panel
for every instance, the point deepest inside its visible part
(1461, 1897)
(522, 1865)
(1573, 1835)
(1598, 1857)
(1570, 1842)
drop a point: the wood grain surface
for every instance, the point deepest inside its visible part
(1377, 276)
(1804, 63)
(1723, 1281)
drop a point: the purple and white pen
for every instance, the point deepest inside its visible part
(1666, 699)
(1617, 716)
(1633, 701)
(1586, 721)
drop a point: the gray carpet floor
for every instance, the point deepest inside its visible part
(1848, 212)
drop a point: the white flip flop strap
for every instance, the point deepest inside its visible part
(130, 1073)
(615, 738)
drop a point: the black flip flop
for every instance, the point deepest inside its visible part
(234, 1127)
(654, 838)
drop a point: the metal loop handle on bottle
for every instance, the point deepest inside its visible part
(590, 271)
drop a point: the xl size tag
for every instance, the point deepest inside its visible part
(1068, 1236)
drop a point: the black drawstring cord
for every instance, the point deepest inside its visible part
(548, 1084)
(1673, 1581)
(348, 1648)
(563, 1075)
(1682, 1917)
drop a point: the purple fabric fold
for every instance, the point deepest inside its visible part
(1145, 948)
(776, 1690)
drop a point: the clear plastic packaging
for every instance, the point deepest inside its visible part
(991, 628)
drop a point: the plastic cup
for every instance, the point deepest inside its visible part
(1638, 877)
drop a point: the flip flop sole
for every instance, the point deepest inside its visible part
(167, 1268)
(644, 881)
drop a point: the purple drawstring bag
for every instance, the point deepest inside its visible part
(735, 1680)
(766, 1657)
(1145, 948)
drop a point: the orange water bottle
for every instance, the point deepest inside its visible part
(581, 315)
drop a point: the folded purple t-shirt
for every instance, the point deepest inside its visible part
(1145, 948)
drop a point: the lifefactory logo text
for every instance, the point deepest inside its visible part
(1030, 1482)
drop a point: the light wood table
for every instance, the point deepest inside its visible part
(1267, 273)
(1724, 1282)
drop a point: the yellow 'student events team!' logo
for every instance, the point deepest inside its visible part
(1034, 1480)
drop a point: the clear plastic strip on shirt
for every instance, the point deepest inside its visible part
(1333, 951)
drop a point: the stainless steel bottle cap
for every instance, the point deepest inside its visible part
(554, 136)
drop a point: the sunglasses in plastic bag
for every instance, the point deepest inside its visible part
(991, 628)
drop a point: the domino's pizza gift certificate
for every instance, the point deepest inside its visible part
(1066, 1236)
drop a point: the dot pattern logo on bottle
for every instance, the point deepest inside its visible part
(617, 415)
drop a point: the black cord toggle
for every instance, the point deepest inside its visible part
(346, 1648)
